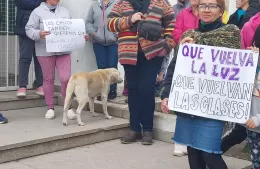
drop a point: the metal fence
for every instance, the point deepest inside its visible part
(9, 49)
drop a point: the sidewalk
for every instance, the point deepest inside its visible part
(113, 155)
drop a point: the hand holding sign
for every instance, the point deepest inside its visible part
(250, 124)
(164, 105)
(86, 37)
(254, 49)
(44, 33)
(187, 40)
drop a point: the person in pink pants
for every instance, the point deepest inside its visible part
(50, 9)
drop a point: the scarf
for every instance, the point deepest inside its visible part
(52, 8)
(240, 13)
(204, 27)
(139, 6)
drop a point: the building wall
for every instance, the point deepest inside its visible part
(8, 45)
(84, 60)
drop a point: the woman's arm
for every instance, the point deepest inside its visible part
(254, 120)
(32, 28)
(117, 22)
(245, 37)
(90, 23)
(178, 28)
(169, 75)
(168, 25)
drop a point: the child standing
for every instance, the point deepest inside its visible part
(250, 35)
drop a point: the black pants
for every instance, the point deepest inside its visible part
(199, 160)
(27, 52)
(237, 136)
(140, 82)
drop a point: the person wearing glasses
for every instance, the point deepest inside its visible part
(201, 135)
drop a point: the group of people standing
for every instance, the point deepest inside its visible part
(140, 34)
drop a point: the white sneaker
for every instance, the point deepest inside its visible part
(179, 150)
(71, 114)
(184, 149)
(50, 114)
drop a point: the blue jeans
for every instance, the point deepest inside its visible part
(141, 79)
(27, 52)
(106, 57)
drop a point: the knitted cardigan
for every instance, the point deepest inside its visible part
(119, 20)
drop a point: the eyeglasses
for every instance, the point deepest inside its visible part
(203, 7)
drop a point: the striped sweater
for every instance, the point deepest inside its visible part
(119, 20)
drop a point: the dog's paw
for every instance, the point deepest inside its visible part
(94, 115)
(81, 124)
(109, 117)
(65, 123)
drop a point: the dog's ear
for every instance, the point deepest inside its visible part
(114, 76)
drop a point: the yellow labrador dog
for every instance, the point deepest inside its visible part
(85, 87)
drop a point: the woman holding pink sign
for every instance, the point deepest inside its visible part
(50, 9)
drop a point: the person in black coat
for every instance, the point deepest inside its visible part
(27, 50)
(237, 17)
(254, 8)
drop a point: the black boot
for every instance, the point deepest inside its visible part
(131, 137)
(147, 138)
(112, 95)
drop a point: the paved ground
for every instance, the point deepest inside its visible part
(113, 155)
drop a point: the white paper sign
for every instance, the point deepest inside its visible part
(213, 82)
(66, 34)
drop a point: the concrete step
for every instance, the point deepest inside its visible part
(9, 101)
(164, 124)
(29, 134)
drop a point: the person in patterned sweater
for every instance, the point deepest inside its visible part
(144, 37)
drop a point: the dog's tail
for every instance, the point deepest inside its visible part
(69, 92)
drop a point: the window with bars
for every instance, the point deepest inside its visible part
(8, 46)
(8, 13)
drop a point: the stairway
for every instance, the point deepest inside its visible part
(29, 134)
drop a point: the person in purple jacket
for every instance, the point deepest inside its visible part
(27, 50)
